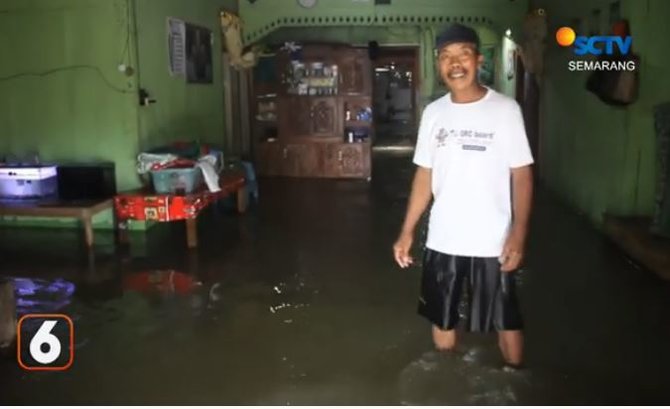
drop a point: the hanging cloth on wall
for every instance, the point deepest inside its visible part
(231, 26)
(615, 87)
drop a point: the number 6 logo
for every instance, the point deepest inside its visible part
(50, 348)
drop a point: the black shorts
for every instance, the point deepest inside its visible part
(492, 300)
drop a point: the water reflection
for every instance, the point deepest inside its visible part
(164, 282)
(42, 296)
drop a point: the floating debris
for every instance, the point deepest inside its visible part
(279, 307)
(277, 290)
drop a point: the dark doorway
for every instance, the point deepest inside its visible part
(395, 96)
(528, 97)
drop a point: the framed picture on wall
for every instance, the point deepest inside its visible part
(510, 64)
(176, 39)
(487, 70)
(199, 67)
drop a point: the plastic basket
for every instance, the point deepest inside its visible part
(177, 180)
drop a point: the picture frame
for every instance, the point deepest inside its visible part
(199, 61)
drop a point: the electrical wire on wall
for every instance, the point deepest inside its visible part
(125, 54)
(96, 69)
(69, 68)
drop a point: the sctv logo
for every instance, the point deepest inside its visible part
(596, 45)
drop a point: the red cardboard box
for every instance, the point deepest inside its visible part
(142, 205)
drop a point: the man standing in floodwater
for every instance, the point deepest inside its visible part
(474, 160)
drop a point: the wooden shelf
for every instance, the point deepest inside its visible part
(357, 124)
(312, 141)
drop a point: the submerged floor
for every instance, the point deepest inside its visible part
(300, 303)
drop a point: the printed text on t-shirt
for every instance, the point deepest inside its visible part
(467, 139)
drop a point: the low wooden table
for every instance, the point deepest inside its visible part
(84, 210)
(146, 205)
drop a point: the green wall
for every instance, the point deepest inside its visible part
(183, 111)
(263, 17)
(63, 95)
(597, 157)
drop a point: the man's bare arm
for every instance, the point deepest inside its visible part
(419, 198)
(522, 198)
(418, 202)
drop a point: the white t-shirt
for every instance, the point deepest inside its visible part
(471, 149)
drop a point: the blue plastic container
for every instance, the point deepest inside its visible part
(177, 180)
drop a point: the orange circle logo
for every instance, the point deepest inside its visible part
(565, 36)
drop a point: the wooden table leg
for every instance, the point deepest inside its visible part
(88, 230)
(122, 231)
(242, 199)
(192, 233)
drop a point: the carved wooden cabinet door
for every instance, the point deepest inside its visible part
(331, 160)
(301, 160)
(351, 159)
(300, 116)
(324, 117)
(294, 119)
(355, 73)
(347, 160)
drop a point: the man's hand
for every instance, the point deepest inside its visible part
(401, 250)
(513, 252)
(418, 202)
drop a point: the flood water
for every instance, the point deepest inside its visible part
(299, 302)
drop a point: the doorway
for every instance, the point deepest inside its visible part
(528, 97)
(395, 90)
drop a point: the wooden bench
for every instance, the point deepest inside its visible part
(83, 210)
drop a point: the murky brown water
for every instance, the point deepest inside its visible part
(299, 302)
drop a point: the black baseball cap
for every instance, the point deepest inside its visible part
(456, 33)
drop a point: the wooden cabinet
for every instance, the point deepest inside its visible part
(313, 128)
